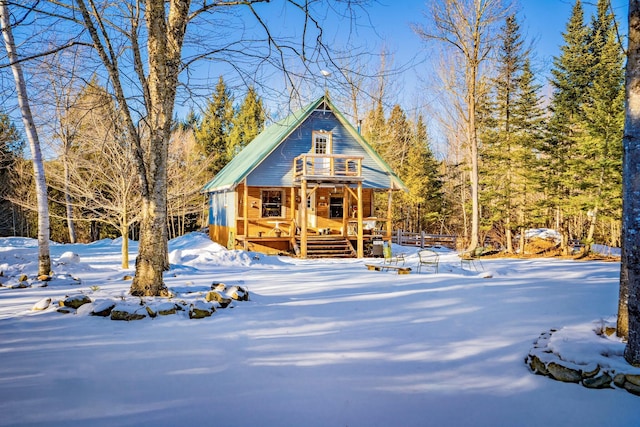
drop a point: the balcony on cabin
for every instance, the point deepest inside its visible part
(334, 168)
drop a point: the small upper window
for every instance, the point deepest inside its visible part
(321, 142)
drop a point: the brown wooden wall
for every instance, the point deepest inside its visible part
(257, 224)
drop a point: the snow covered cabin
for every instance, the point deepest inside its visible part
(306, 185)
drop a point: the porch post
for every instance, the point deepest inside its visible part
(360, 252)
(303, 219)
(345, 211)
(389, 215)
(292, 212)
(245, 214)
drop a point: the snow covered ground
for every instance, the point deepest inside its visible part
(320, 343)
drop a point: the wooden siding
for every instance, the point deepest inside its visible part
(222, 208)
(220, 234)
(277, 169)
(259, 225)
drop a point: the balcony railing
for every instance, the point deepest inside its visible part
(327, 167)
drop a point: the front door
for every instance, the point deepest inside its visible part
(312, 219)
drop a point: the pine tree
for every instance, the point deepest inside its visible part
(248, 122)
(511, 122)
(11, 146)
(500, 149)
(396, 149)
(570, 81)
(529, 127)
(601, 148)
(423, 179)
(213, 132)
(374, 128)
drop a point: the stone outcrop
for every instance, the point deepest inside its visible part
(103, 308)
(126, 308)
(75, 301)
(128, 312)
(238, 293)
(217, 297)
(43, 304)
(543, 361)
(200, 310)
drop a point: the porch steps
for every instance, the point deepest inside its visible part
(327, 247)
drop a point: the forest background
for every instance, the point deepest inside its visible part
(549, 134)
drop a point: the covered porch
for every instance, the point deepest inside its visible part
(326, 205)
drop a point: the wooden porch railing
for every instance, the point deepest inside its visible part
(327, 166)
(423, 239)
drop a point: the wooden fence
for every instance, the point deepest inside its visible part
(422, 239)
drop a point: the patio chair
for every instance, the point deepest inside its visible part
(390, 258)
(428, 258)
(472, 258)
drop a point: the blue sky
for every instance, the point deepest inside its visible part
(542, 22)
(388, 23)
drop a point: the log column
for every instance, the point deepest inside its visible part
(245, 213)
(303, 219)
(360, 252)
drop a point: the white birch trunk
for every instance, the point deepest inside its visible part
(67, 199)
(44, 259)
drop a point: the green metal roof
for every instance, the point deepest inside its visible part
(270, 138)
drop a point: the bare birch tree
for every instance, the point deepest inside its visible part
(98, 169)
(140, 44)
(468, 27)
(44, 257)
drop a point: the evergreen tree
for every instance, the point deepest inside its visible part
(396, 149)
(213, 132)
(570, 81)
(601, 148)
(248, 122)
(374, 128)
(421, 175)
(404, 145)
(11, 146)
(511, 122)
(529, 125)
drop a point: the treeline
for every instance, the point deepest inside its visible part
(541, 162)
(93, 187)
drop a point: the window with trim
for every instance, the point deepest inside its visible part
(321, 146)
(336, 206)
(321, 142)
(272, 203)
